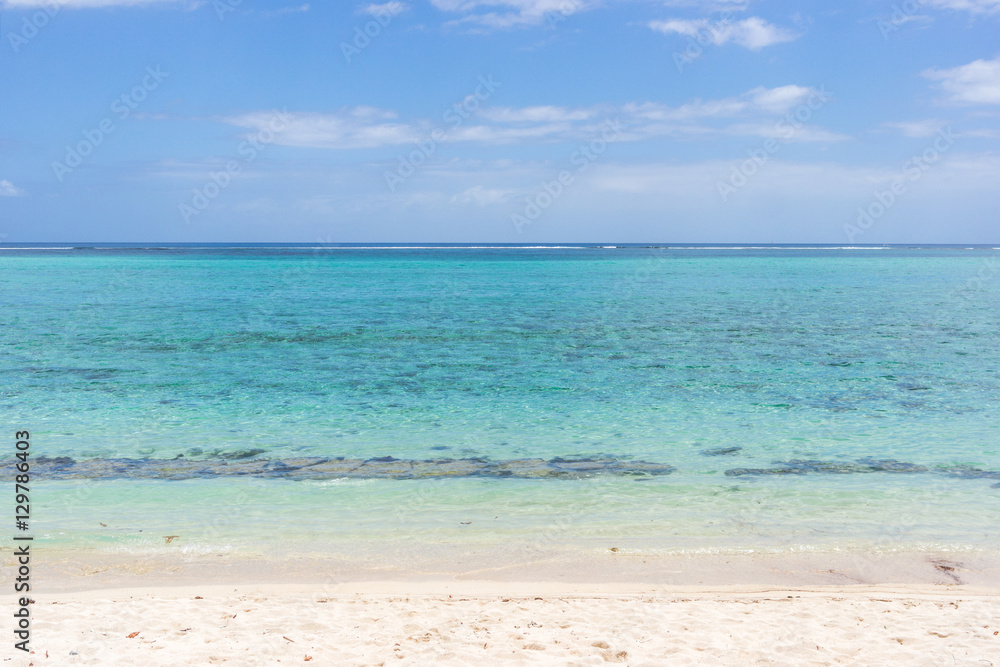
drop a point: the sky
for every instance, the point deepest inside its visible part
(518, 121)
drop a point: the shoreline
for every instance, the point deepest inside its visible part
(488, 589)
(465, 567)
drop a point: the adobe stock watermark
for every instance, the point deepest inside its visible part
(989, 268)
(549, 191)
(363, 35)
(913, 170)
(901, 13)
(971, 290)
(705, 36)
(218, 181)
(122, 106)
(743, 171)
(566, 9)
(454, 116)
(223, 7)
(30, 26)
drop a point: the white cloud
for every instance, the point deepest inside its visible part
(778, 178)
(536, 114)
(974, 6)
(652, 111)
(666, 198)
(753, 33)
(482, 197)
(780, 99)
(918, 128)
(786, 132)
(513, 13)
(386, 8)
(777, 101)
(922, 129)
(757, 112)
(678, 200)
(898, 20)
(488, 134)
(285, 10)
(8, 189)
(979, 134)
(357, 127)
(975, 83)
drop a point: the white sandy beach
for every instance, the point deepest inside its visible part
(555, 624)
(560, 608)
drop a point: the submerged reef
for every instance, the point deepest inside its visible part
(386, 467)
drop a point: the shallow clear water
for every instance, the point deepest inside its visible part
(646, 354)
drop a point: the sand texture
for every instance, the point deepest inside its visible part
(918, 625)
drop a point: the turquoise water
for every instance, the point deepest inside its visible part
(656, 355)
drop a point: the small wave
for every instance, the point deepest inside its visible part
(154, 547)
(771, 247)
(451, 247)
(339, 481)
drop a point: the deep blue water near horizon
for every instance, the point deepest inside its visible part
(778, 355)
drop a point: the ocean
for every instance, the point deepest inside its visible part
(651, 398)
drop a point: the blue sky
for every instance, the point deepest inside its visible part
(500, 120)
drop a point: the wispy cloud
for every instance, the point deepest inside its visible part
(758, 100)
(974, 6)
(8, 189)
(916, 129)
(539, 114)
(753, 33)
(830, 190)
(386, 8)
(357, 127)
(786, 132)
(753, 113)
(285, 10)
(482, 196)
(922, 129)
(975, 83)
(512, 13)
